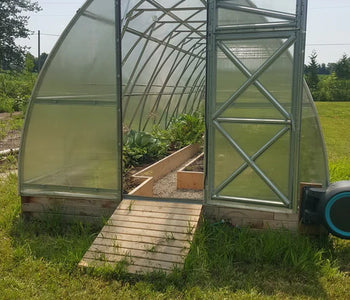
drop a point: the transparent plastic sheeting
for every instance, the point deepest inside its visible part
(252, 104)
(71, 124)
(268, 145)
(70, 138)
(313, 157)
(70, 133)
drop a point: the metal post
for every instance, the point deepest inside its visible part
(210, 100)
(39, 52)
(119, 127)
(297, 98)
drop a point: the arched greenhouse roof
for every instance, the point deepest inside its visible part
(72, 137)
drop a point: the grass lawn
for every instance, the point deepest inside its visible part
(335, 122)
(38, 259)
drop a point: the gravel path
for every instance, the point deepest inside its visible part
(166, 188)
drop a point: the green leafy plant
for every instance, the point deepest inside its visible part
(15, 90)
(185, 129)
(141, 147)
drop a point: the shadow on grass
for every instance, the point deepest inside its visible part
(52, 239)
(221, 258)
(265, 263)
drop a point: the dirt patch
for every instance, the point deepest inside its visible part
(129, 182)
(197, 165)
(6, 116)
(12, 138)
(11, 141)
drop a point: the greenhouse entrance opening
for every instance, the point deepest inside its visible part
(163, 98)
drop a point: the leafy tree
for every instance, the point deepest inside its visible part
(13, 25)
(311, 74)
(331, 67)
(29, 63)
(342, 67)
(323, 69)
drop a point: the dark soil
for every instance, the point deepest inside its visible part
(13, 139)
(129, 183)
(196, 166)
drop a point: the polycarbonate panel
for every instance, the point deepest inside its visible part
(278, 78)
(72, 146)
(286, 6)
(226, 159)
(252, 137)
(70, 137)
(275, 163)
(228, 78)
(252, 104)
(229, 17)
(249, 185)
(313, 156)
(253, 53)
(83, 66)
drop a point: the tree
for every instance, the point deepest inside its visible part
(342, 67)
(311, 74)
(13, 25)
(41, 59)
(323, 69)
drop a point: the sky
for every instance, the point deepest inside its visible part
(328, 27)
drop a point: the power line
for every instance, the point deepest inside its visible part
(62, 3)
(330, 7)
(49, 34)
(327, 44)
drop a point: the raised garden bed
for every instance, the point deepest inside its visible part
(146, 177)
(191, 176)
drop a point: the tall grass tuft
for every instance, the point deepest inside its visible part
(221, 250)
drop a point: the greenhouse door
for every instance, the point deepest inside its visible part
(254, 94)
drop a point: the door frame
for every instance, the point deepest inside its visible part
(296, 28)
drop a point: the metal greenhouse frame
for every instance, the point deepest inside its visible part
(139, 63)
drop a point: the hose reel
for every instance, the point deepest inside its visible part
(328, 206)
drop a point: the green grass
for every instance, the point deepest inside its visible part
(335, 117)
(38, 259)
(15, 122)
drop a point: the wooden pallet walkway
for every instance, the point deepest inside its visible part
(146, 236)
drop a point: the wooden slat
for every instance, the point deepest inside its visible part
(162, 204)
(88, 262)
(69, 210)
(114, 258)
(70, 202)
(161, 247)
(136, 253)
(149, 235)
(158, 208)
(69, 218)
(116, 218)
(150, 226)
(140, 239)
(156, 215)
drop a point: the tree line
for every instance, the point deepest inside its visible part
(329, 82)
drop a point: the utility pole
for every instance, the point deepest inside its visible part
(39, 54)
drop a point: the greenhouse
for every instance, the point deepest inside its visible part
(137, 65)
